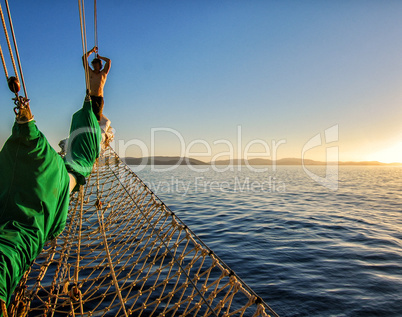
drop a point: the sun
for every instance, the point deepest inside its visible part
(391, 154)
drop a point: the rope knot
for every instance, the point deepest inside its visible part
(98, 204)
(75, 293)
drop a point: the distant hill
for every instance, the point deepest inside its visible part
(372, 163)
(162, 160)
(257, 161)
(175, 160)
(298, 161)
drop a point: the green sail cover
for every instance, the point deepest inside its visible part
(83, 143)
(34, 191)
(34, 199)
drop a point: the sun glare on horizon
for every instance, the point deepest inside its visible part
(391, 154)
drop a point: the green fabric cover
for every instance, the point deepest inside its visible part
(34, 200)
(83, 143)
(34, 191)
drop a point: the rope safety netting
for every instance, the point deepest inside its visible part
(124, 252)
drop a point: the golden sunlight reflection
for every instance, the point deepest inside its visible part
(392, 154)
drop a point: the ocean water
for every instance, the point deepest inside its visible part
(307, 250)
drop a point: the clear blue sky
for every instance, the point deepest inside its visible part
(279, 69)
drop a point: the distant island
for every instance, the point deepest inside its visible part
(175, 160)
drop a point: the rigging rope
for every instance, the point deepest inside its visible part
(84, 41)
(16, 49)
(4, 63)
(96, 27)
(9, 47)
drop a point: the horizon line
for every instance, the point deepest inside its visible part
(267, 160)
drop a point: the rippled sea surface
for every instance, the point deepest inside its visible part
(305, 249)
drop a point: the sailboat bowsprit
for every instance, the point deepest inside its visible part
(124, 252)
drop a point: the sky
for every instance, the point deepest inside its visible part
(218, 79)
